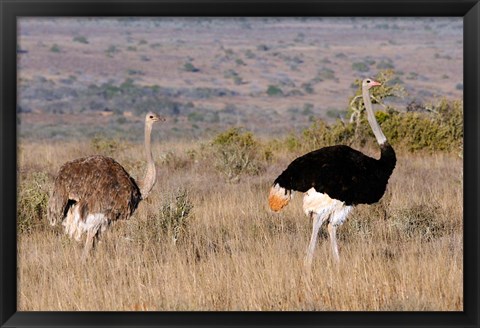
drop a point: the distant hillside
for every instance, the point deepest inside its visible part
(81, 77)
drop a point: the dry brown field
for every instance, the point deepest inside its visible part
(233, 253)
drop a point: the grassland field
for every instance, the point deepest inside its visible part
(230, 252)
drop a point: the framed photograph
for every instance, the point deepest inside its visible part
(225, 163)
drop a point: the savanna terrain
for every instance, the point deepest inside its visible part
(243, 98)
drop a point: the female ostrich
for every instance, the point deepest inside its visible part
(91, 192)
(334, 179)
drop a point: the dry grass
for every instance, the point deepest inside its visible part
(404, 253)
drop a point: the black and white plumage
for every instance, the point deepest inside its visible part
(336, 178)
(91, 192)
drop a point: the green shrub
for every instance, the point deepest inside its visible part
(232, 74)
(437, 128)
(307, 109)
(188, 67)
(178, 161)
(274, 90)
(240, 62)
(325, 74)
(249, 54)
(441, 129)
(263, 47)
(132, 71)
(111, 50)
(80, 39)
(55, 48)
(320, 134)
(33, 194)
(195, 117)
(170, 221)
(237, 153)
(105, 146)
(360, 67)
(237, 80)
(175, 215)
(308, 88)
(420, 221)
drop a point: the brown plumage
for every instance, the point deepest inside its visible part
(91, 192)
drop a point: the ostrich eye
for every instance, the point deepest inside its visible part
(151, 116)
(368, 81)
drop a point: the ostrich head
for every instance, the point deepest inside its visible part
(152, 117)
(368, 83)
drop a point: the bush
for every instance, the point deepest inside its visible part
(231, 74)
(178, 161)
(105, 146)
(188, 67)
(263, 47)
(249, 54)
(418, 222)
(360, 67)
(441, 129)
(175, 215)
(325, 74)
(111, 50)
(437, 127)
(240, 62)
(195, 117)
(55, 48)
(32, 202)
(320, 134)
(274, 90)
(171, 221)
(236, 153)
(80, 39)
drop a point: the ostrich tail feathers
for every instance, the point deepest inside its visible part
(279, 197)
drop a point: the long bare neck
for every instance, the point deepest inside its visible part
(377, 131)
(150, 177)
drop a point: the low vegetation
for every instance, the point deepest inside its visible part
(199, 243)
(236, 153)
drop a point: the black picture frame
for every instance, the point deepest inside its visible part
(11, 10)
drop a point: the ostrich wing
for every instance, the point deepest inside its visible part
(339, 171)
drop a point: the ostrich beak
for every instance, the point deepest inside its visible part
(375, 83)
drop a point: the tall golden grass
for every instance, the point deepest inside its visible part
(404, 253)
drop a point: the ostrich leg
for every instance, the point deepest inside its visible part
(318, 220)
(332, 231)
(89, 243)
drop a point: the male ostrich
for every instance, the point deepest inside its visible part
(91, 192)
(334, 179)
